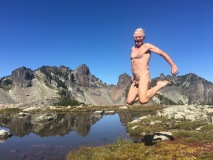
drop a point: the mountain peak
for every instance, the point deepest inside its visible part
(22, 76)
(123, 80)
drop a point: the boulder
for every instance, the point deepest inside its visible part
(136, 121)
(4, 135)
(144, 117)
(134, 127)
(99, 112)
(109, 112)
(23, 114)
(29, 109)
(123, 107)
(161, 136)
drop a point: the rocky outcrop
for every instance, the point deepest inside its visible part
(172, 118)
(188, 112)
(83, 74)
(119, 92)
(22, 77)
(124, 81)
(85, 78)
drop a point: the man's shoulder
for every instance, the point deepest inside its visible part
(148, 45)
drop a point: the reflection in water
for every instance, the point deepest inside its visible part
(126, 117)
(61, 124)
(52, 136)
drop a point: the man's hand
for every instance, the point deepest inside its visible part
(174, 70)
(134, 81)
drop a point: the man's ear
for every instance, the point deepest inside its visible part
(144, 38)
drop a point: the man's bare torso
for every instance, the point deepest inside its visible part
(140, 61)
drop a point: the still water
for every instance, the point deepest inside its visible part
(34, 140)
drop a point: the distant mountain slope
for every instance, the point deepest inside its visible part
(49, 84)
(188, 89)
(5, 97)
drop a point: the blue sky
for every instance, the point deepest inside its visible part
(99, 33)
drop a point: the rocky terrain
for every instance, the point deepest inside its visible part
(49, 84)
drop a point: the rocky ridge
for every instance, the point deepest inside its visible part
(47, 84)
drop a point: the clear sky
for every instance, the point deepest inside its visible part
(99, 33)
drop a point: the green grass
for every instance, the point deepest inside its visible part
(127, 150)
(194, 136)
(10, 110)
(189, 125)
(207, 128)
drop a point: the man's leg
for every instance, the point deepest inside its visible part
(146, 95)
(133, 94)
(143, 87)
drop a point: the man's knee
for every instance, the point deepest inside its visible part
(143, 100)
(129, 102)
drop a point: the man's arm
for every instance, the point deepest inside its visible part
(158, 51)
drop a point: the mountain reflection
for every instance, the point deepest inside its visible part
(57, 124)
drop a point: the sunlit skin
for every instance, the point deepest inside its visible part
(140, 57)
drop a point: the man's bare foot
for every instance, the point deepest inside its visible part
(163, 83)
(159, 93)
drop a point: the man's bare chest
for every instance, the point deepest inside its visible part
(139, 52)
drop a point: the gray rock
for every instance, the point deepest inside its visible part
(109, 112)
(144, 117)
(134, 127)
(99, 112)
(186, 112)
(123, 107)
(23, 114)
(160, 136)
(4, 135)
(136, 121)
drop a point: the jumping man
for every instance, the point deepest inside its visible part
(140, 57)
